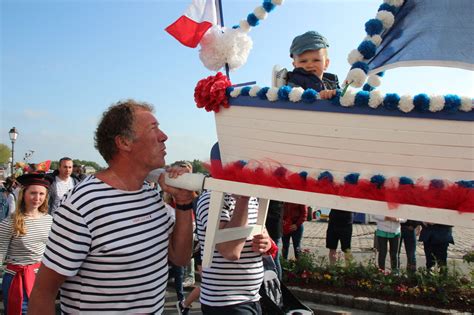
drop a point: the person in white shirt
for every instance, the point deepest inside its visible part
(63, 181)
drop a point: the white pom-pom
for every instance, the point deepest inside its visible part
(466, 104)
(235, 92)
(260, 13)
(406, 103)
(387, 18)
(236, 46)
(295, 94)
(376, 39)
(354, 56)
(374, 80)
(245, 26)
(223, 45)
(436, 103)
(356, 77)
(254, 90)
(277, 2)
(210, 54)
(348, 99)
(272, 94)
(375, 99)
(338, 177)
(395, 3)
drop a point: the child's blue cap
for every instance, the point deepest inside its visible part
(308, 41)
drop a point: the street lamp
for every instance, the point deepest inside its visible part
(13, 133)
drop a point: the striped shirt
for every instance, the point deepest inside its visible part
(228, 282)
(113, 247)
(26, 249)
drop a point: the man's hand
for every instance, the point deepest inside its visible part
(261, 243)
(181, 196)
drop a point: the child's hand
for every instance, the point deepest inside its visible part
(327, 94)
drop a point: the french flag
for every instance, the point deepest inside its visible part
(194, 23)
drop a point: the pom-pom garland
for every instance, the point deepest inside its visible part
(435, 193)
(384, 20)
(373, 99)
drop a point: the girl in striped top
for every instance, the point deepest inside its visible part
(23, 237)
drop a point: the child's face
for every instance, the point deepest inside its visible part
(314, 61)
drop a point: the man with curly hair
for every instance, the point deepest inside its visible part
(113, 234)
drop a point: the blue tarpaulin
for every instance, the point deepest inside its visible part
(429, 33)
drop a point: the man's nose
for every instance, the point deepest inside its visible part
(162, 136)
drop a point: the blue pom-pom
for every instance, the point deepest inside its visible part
(381, 73)
(466, 183)
(367, 87)
(388, 7)
(437, 183)
(252, 19)
(326, 175)
(262, 94)
(303, 174)
(367, 48)
(336, 99)
(309, 96)
(268, 5)
(236, 27)
(452, 103)
(245, 91)
(373, 27)
(242, 163)
(284, 92)
(229, 90)
(361, 65)
(406, 181)
(362, 98)
(391, 101)
(378, 180)
(422, 102)
(352, 178)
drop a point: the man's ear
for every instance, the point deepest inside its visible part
(293, 63)
(123, 144)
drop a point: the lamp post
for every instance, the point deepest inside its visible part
(13, 133)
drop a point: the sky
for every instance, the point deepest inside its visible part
(63, 62)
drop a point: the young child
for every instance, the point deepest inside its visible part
(311, 60)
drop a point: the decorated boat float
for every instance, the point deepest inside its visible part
(364, 151)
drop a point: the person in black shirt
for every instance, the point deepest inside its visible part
(339, 229)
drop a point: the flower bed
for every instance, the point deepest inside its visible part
(446, 288)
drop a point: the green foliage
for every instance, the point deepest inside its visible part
(5, 153)
(198, 167)
(446, 284)
(469, 257)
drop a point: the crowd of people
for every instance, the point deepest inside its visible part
(115, 239)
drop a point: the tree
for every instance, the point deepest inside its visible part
(5, 153)
(198, 167)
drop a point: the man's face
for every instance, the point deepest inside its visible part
(149, 143)
(65, 169)
(314, 61)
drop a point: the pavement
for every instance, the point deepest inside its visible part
(314, 239)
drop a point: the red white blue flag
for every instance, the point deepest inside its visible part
(189, 28)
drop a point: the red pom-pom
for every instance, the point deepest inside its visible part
(210, 93)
